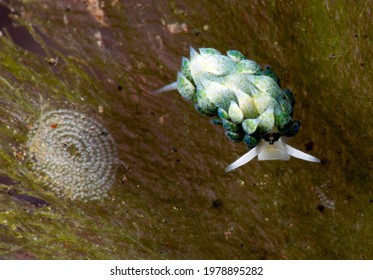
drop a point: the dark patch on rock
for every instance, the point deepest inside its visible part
(320, 208)
(32, 200)
(5, 180)
(217, 203)
(19, 34)
(309, 146)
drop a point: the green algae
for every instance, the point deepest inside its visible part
(162, 205)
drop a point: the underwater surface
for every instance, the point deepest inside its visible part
(165, 192)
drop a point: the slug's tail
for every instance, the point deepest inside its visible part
(169, 87)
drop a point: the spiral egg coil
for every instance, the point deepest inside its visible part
(73, 154)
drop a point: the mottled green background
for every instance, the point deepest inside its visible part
(176, 202)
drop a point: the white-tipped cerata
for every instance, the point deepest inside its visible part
(169, 87)
(276, 151)
(243, 160)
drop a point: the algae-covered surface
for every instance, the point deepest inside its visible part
(171, 198)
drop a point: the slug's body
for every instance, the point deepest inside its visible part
(247, 101)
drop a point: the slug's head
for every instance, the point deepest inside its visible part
(271, 147)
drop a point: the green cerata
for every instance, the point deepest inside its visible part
(242, 97)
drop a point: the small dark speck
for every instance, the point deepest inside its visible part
(331, 56)
(320, 208)
(119, 87)
(309, 146)
(196, 32)
(217, 203)
(177, 160)
(370, 200)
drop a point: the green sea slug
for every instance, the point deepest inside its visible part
(244, 98)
